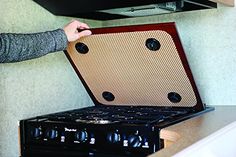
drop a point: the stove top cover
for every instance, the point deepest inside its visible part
(141, 65)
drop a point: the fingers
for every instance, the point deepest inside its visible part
(80, 25)
(84, 33)
(83, 26)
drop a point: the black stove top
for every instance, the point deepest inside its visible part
(126, 130)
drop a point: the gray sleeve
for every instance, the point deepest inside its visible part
(19, 47)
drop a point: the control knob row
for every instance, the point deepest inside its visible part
(133, 140)
(36, 132)
(82, 136)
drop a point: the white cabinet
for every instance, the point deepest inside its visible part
(218, 144)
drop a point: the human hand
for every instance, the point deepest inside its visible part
(72, 33)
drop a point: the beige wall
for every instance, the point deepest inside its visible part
(49, 84)
(38, 86)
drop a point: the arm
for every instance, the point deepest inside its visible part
(19, 47)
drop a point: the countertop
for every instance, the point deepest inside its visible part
(192, 130)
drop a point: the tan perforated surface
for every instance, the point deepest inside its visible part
(121, 64)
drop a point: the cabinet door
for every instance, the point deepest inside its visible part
(227, 2)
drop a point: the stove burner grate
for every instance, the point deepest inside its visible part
(114, 114)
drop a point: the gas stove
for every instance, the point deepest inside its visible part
(140, 82)
(125, 130)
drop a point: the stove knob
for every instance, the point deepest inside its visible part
(134, 141)
(81, 136)
(36, 132)
(52, 134)
(113, 137)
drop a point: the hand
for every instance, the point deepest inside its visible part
(72, 33)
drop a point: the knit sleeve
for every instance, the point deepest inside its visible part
(19, 47)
